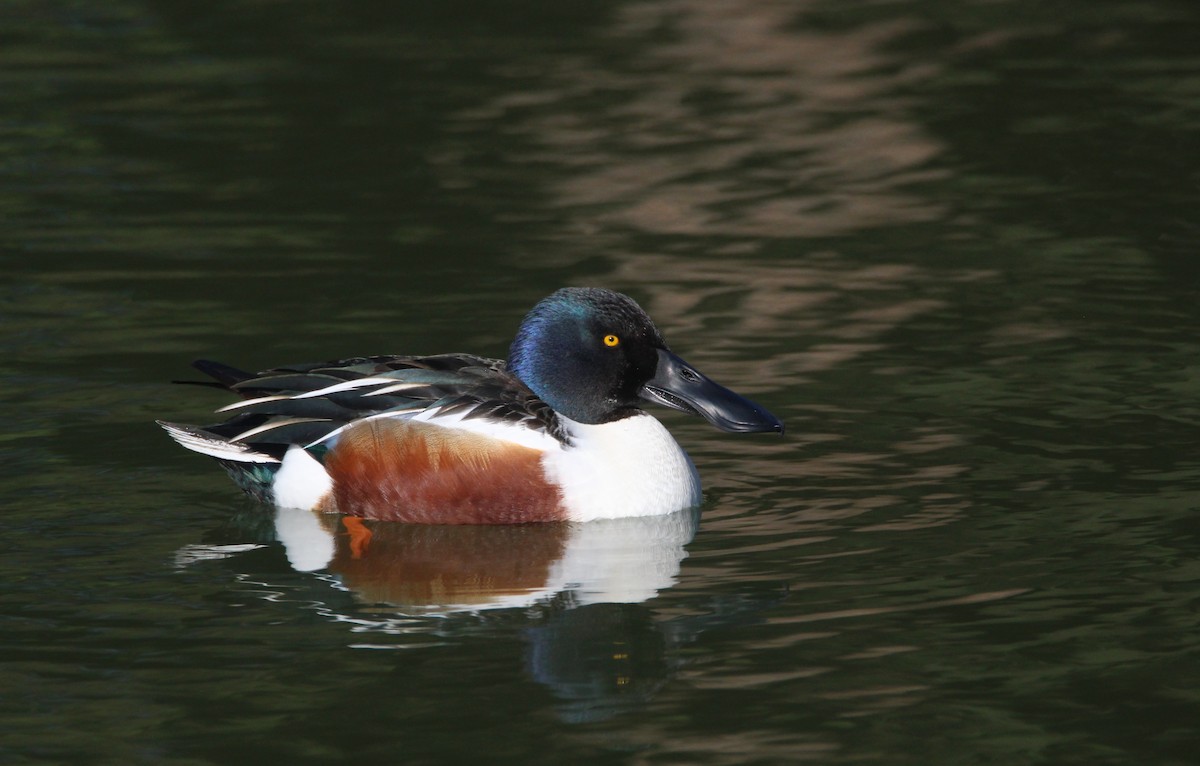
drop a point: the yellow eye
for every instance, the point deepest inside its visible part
(611, 340)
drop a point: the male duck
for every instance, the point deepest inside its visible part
(556, 433)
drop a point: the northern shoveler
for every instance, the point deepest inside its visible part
(555, 433)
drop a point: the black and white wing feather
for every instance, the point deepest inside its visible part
(305, 404)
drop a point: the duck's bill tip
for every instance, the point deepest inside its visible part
(768, 423)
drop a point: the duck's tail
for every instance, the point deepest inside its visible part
(250, 469)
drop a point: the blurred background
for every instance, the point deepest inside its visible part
(952, 245)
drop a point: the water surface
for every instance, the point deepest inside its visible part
(952, 246)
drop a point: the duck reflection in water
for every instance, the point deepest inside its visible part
(601, 655)
(442, 569)
(580, 587)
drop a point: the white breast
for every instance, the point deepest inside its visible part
(630, 467)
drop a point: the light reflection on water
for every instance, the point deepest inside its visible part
(738, 124)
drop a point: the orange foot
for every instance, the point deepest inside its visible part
(360, 535)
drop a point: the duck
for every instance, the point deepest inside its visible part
(557, 432)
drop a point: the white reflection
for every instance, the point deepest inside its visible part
(311, 546)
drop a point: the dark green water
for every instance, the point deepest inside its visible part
(953, 245)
